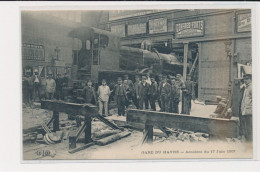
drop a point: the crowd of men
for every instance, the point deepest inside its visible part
(34, 88)
(143, 93)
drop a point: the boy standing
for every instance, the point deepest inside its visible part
(103, 97)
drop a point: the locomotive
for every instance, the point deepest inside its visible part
(100, 56)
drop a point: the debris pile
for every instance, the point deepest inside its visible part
(177, 135)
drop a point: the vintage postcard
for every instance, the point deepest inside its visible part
(137, 84)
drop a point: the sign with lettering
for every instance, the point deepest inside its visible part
(121, 14)
(157, 26)
(136, 29)
(119, 30)
(189, 29)
(244, 22)
(32, 52)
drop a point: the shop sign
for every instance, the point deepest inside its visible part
(157, 26)
(189, 29)
(244, 22)
(136, 29)
(120, 14)
(32, 52)
(119, 30)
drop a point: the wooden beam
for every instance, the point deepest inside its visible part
(148, 134)
(88, 129)
(56, 121)
(81, 148)
(70, 108)
(213, 126)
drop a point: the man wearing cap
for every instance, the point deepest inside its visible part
(175, 96)
(135, 91)
(153, 92)
(143, 92)
(187, 95)
(103, 97)
(120, 96)
(246, 109)
(50, 87)
(36, 79)
(164, 93)
(89, 93)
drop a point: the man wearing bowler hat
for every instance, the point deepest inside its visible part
(246, 109)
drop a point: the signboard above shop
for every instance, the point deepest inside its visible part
(189, 29)
(118, 29)
(136, 29)
(121, 14)
(244, 22)
(32, 52)
(157, 26)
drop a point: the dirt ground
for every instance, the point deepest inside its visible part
(128, 147)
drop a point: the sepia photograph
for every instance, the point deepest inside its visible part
(136, 84)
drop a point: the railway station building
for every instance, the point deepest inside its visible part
(215, 41)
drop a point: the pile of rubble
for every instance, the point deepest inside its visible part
(177, 135)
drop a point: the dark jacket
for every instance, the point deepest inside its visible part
(143, 90)
(153, 89)
(189, 87)
(165, 90)
(175, 93)
(120, 91)
(246, 103)
(39, 78)
(59, 83)
(89, 94)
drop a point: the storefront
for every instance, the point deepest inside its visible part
(210, 43)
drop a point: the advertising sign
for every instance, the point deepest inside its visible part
(136, 29)
(157, 26)
(32, 52)
(244, 22)
(189, 29)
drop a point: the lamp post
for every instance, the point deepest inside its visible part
(229, 56)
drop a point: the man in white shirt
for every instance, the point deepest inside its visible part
(50, 87)
(103, 97)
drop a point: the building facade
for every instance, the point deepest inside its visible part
(210, 43)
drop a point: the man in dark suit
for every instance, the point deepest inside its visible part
(187, 95)
(153, 92)
(175, 96)
(89, 93)
(164, 93)
(143, 92)
(120, 97)
(246, 109)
